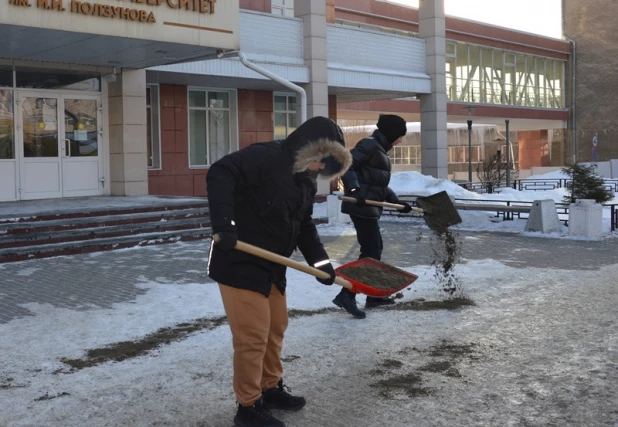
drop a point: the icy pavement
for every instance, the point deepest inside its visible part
(539, 348)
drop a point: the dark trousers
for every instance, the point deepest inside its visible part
(369, 239)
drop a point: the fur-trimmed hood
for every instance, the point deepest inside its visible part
(319, 139)
(336, 157)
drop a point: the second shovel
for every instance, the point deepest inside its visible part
(438, 210)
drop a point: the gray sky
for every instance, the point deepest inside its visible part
(534, 16)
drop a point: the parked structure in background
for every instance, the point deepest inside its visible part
(126, 115)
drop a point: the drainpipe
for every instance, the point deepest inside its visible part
(574, 74)
(281, 80)
(574, 101)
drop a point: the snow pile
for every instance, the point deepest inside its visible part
(423, 185)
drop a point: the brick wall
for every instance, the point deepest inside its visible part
(175, 178)
(592, 25)
(533, 149)
(255, 124)
(259, 5)
(255, 117)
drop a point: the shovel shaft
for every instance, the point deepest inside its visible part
(271, 256)
(376, 203)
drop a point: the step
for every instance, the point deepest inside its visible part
(74, 235)
(101, 244)
(99, 221)
(80, 213)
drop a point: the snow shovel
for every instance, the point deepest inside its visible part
(438, 210)
(373, 266)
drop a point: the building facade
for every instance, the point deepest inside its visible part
(141, 100)
(589, 25)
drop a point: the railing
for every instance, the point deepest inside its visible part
(507, 214)
(533, 185)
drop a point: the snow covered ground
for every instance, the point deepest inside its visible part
(539, 347)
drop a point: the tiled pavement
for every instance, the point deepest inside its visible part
(82, 282)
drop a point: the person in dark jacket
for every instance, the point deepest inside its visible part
(263, 195)
(368, 179)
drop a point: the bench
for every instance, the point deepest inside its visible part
(505, 209)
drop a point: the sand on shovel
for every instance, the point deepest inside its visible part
(386, 278)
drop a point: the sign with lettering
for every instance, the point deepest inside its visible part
(212, 23)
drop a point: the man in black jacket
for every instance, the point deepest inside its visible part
(263, 195)
(368, 179)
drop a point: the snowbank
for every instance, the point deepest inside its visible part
(423, 185)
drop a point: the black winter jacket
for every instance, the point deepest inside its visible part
(371, 172)
(264, 194)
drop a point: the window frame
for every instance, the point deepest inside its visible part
(155, 125)
(13, 104)
(412, 157)
(284, 8)
(475, 148)
(233, 122)
(287, 112)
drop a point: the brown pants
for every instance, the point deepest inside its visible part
(258, 324)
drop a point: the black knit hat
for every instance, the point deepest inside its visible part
(392, 127)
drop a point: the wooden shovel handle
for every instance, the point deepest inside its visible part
(270, 256)
(376, 203)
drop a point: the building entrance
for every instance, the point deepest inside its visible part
(59, 144)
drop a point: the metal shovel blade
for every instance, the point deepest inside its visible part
(439, 211)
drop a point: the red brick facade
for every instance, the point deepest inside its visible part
(533, 149)
(258, 5)
(255, 117)
(455, 109)
(175, 177)
(255, 124)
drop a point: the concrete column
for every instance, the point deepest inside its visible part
(127, 134)
(313, 13)
(432, 28)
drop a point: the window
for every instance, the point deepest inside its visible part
(406, 155)
(45, 79)
(152, 127)
(6, 77)
(209, 126)
(7, 139)
(459, 154)
(285, 115)
(283, 7)
(493, 76)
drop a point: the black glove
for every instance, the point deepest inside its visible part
(327, 268)
(227, 240)
(360, 200)
(407, 208)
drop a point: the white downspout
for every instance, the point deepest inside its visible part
(281, 80)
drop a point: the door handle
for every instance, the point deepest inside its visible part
(67, 148)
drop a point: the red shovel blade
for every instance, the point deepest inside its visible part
(373, 273)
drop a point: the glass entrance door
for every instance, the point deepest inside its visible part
(82, 173)
(38, 129)
(60, 139)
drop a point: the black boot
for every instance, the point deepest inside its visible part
(279, 398)
(257, 415)
(378, 302)
(347, 301)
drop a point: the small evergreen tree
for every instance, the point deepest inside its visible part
(585, 184)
